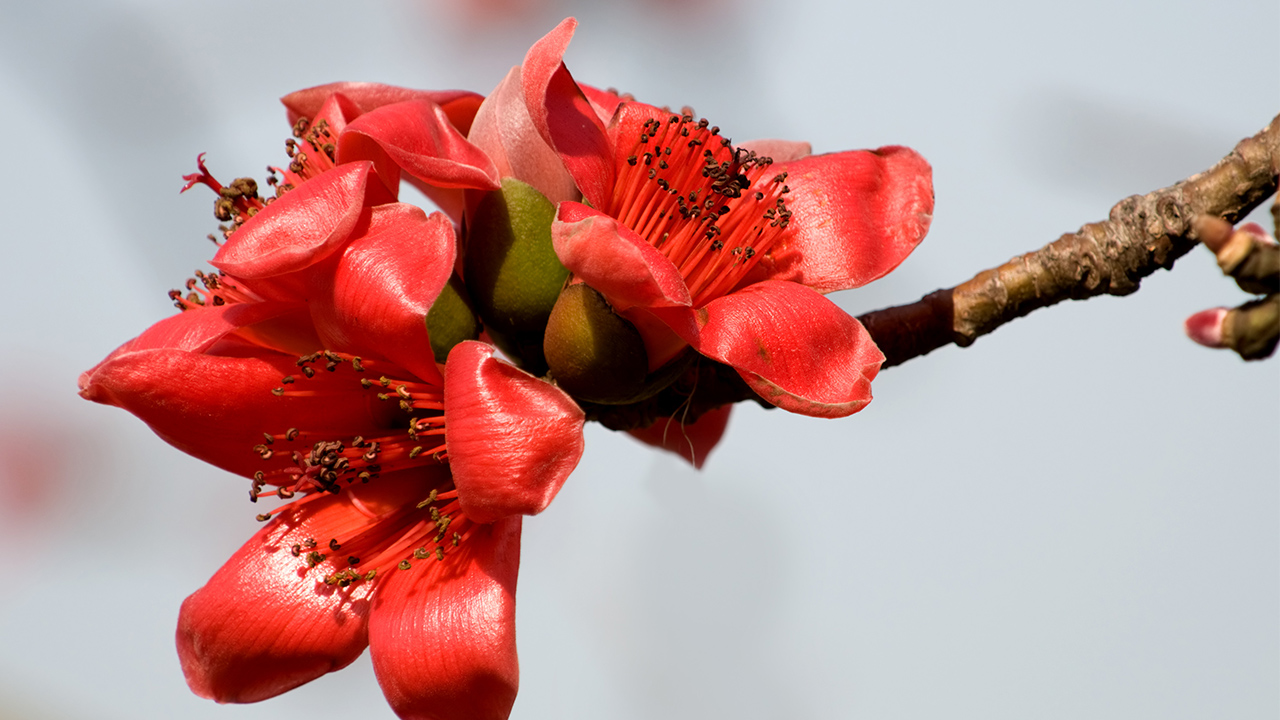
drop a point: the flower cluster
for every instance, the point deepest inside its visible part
(626, 259)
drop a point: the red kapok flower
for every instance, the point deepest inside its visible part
(404, 485)
(727, 249)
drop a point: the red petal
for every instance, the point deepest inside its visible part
(442, 635)
(197, 329)
(300, 229)
(565, 117)
(794, 347)
(512, 438)
(504, 130)
(779, 151)
(692, 441)
(384, 284)
(337, 110)
(217, 408)
(855, 216)
(262, 625)
(605, 102)
(613, 259)
(418, 136)
(459, 105)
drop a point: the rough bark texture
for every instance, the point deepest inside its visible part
(1144, 233)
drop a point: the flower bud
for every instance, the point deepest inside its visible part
(511, 269)
(451, 319)
(594, 354)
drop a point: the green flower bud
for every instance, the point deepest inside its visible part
(512, 271)
(594, 354)
(451, 319)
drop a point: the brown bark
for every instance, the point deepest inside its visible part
(1144, 233)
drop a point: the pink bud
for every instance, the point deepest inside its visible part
(1205, 327)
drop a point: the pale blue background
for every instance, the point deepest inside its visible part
(1075, 518)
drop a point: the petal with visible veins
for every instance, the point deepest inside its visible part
(565, 118)
(442, 634)
(504, 130)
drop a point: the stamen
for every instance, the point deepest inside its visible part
(702, 195)
(321, 467)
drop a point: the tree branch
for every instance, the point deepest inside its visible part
(1144, 233)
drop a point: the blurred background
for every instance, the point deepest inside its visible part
(1075, 517)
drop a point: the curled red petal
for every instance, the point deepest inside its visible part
(459, 105)
(504, 130)
(217, 408)
(262, 625)
(417, 136)
(793, 346)
(614, 260)
(854, 217)
(565, 118)
(442, 635)
(301, 228)
(691, 441)
(383, 286)
(512, 438)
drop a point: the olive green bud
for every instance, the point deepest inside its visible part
(511, 269)
(594, 354)
(451, 319)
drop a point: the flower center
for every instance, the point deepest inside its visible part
(367, 542)
(712, 209)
